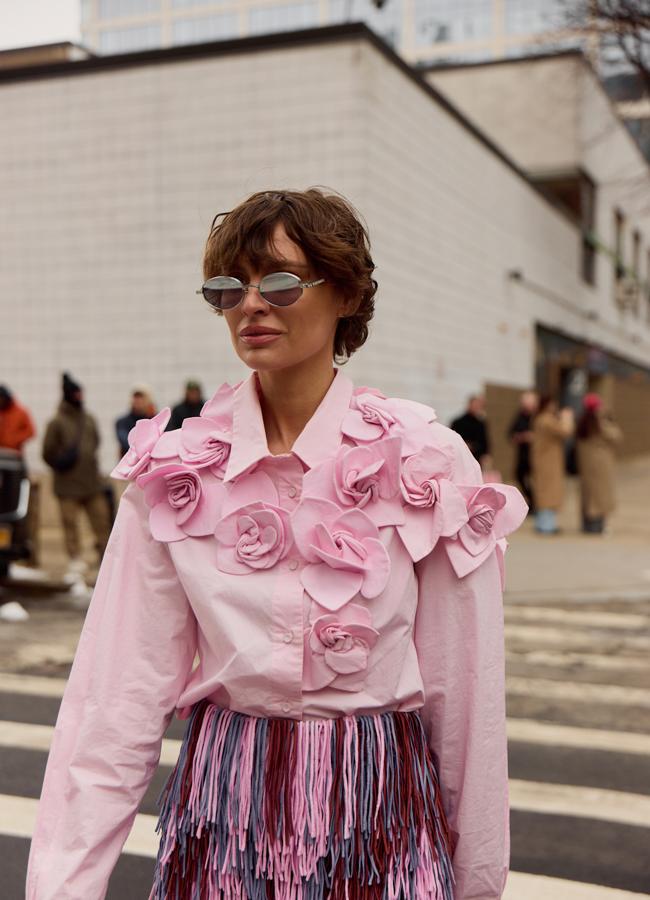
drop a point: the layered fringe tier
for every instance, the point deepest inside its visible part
(279, 809)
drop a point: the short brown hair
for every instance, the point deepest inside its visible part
(328, 230)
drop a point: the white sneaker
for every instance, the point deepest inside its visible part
(13, 612)
(25, 573)
(78, 565)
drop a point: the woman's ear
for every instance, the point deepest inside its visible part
(349, 306)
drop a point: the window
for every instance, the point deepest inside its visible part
(125, 40)
(206, 28)
(452, 21)
(619, 228)
(386, 22)
(290, 17)
(114, 9)
(647, 287)
(533, 16)
(87, 11)
(587, 222)
(185, 4)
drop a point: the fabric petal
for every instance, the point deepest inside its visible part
(377, 572)
(353, 660)
(331, 588)
(163, 525)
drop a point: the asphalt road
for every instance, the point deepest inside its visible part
(579, 750)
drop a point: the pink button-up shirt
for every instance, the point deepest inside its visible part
(359, 573)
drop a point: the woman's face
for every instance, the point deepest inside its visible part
(268, 337)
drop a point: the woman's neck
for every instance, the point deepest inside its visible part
(289, 398)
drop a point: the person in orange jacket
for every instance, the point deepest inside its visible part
(16, 425)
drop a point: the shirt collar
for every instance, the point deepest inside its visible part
(319, 440)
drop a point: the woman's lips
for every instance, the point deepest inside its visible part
(258, 338)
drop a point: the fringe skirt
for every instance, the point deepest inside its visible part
(281, 809)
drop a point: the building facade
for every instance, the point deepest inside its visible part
(114, 168)
(418, 29)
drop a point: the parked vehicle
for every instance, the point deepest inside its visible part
(14, 497)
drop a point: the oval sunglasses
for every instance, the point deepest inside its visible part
(279, 289)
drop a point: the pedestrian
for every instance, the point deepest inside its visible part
(521, 436)
(316, 544)
(16, 425)
(191, 405)
(598, 436)
(551, 428)
(141, 408)
(70, 449)
(472, 427)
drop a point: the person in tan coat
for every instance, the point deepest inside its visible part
(598, 436)
(551, 428)
(70, 449)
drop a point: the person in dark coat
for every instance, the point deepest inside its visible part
(190, 406)
(141, 408)
(521, 435)
(70, 449)
(472, 427)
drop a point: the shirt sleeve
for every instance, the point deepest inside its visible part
(460, 645)
(134, 656)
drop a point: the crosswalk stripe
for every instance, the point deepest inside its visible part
(18, 817)
(544, 635)
(578, 691)
(584, 802)
(27, 736)
(37, 685)
(18, 814)
(584, 619)
(561, 659)
(533, 732)
(541, 887)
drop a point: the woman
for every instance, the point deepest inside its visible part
(550, 431)
(597, 439)
(332, 557)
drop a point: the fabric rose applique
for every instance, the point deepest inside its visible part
(434, 507)
(182, 502)
(344, 553)
(143, 437)
(365, 477)
(255, 532)
(372, 416)
(493, 511)
(205, 440)
(337, 647)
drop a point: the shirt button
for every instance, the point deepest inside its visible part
(286, 707)
(287, 637)
(292, 492)
(293, 565)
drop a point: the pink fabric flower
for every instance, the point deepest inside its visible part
(434, 507)
(366, 477)
(182, 502)
(344, 551)
(205, 442)
(142, 440)
(337, 647)
(255, 536)
(493, 511)
(372, 417)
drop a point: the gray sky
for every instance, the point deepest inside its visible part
(27, 22)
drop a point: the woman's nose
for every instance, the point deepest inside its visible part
(253, 302)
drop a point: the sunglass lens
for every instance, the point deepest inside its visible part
(223, 292)
(281, 288)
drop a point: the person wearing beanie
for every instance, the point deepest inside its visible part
(190, 406)
(70, 449)
(598, 436)
(16, 425)
(142, 407)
